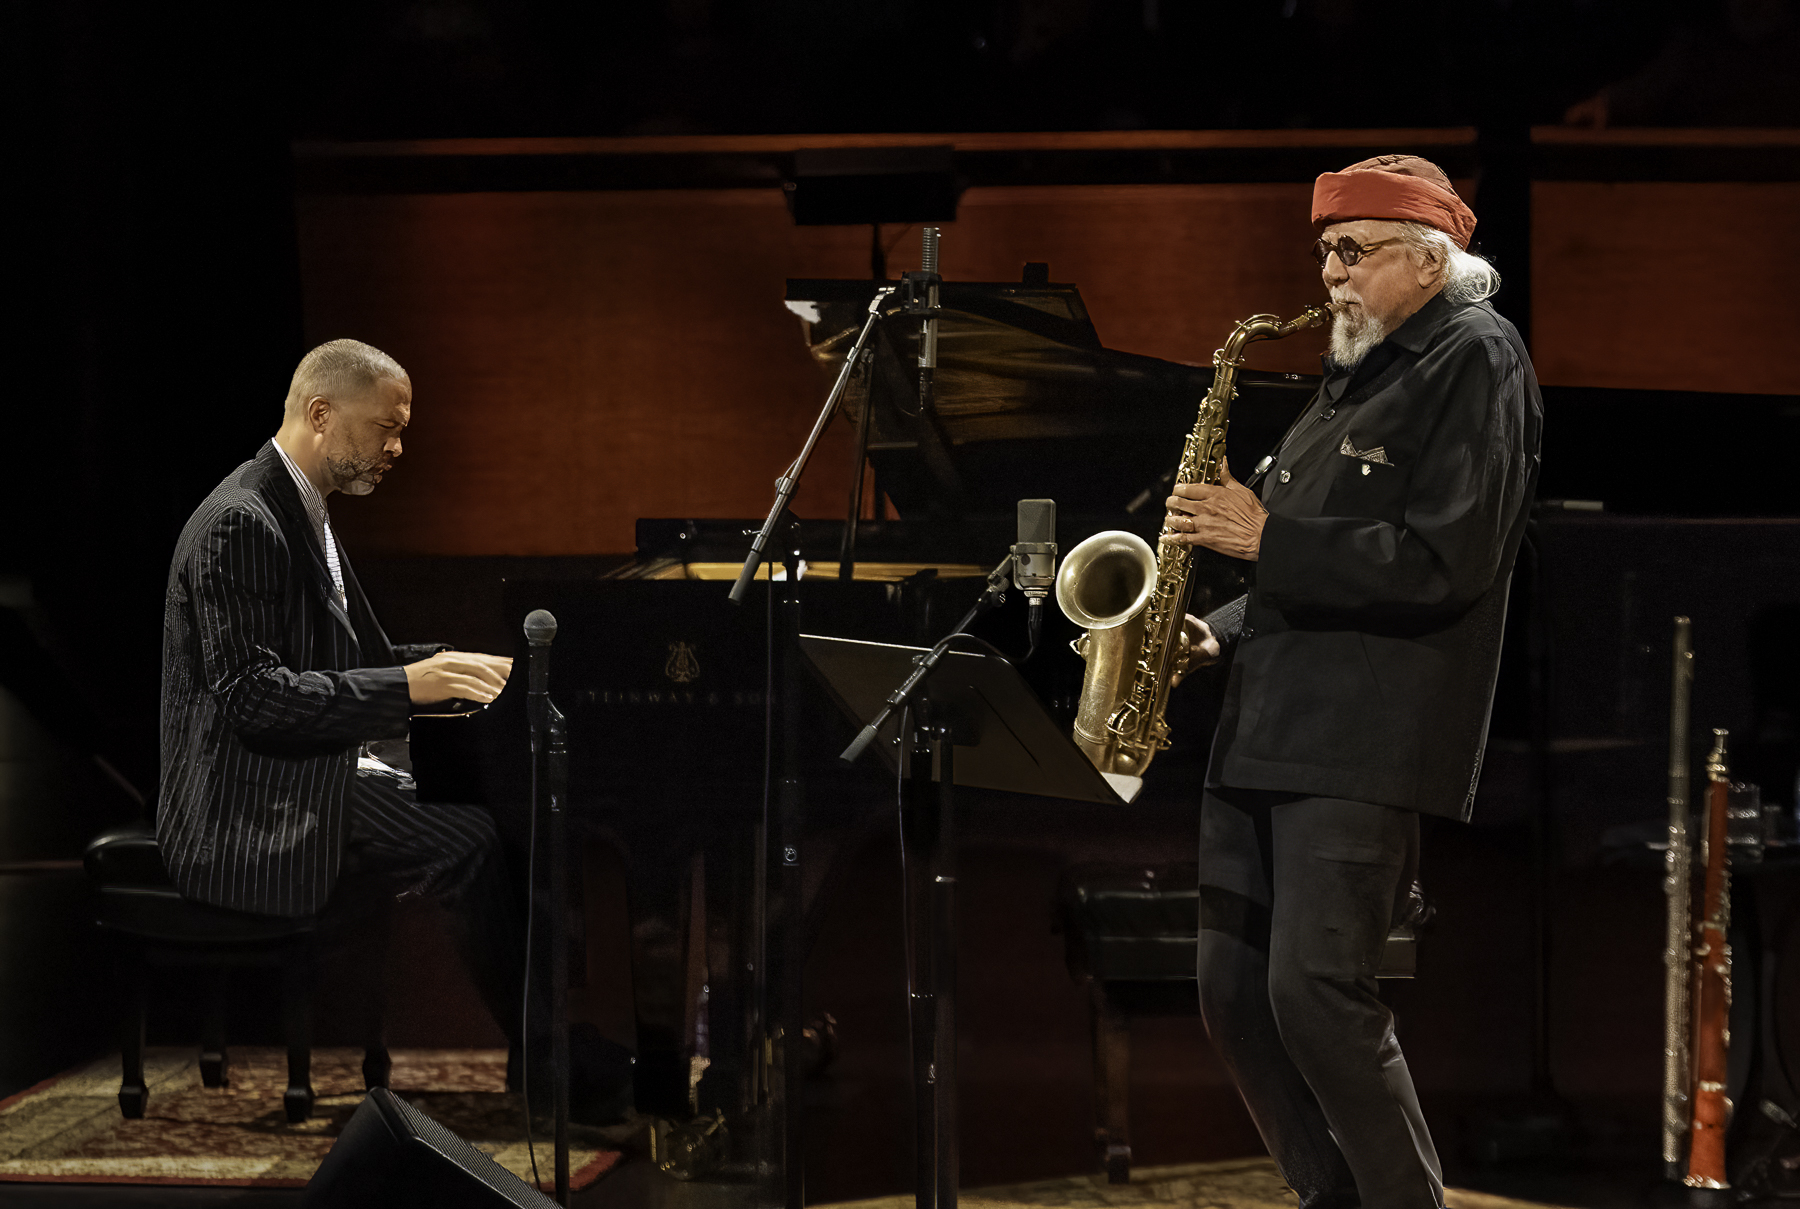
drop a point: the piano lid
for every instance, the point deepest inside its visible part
(1028, 402)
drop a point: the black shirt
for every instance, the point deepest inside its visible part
(1396, 507)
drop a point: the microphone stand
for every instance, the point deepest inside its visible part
(784, 486)
(790, 804)
(932, 1014)
(558, 761)
(788, 792)
(549, 735)
(992, 597)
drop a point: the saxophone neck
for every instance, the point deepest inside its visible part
(1268, 327)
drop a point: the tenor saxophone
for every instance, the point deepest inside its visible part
(1132, 600)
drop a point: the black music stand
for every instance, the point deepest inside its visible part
(975, 722)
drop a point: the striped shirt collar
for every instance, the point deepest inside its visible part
(314, 503)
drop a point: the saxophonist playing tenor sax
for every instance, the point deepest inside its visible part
(1381, 548)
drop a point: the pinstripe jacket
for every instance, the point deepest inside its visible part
(269, 688)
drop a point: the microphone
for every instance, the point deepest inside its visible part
(928, 331)
(1034, 562)
(540, 629)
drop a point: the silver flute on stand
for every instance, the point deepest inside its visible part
(1677, 1114)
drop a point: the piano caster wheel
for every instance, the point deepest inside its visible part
(133, 1101)
(298, 1103)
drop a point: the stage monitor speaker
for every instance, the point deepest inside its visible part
(394, 1156)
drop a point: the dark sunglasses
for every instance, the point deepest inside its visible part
(1347, 249)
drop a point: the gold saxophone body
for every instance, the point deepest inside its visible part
(1133, 600)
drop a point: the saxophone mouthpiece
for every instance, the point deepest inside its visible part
(1312, 316)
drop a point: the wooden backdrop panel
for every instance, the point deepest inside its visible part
(1665, 286)
(579, 360)
(584, 359)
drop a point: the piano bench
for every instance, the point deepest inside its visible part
(1130, 932)
(151, 924)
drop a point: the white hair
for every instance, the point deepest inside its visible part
(1466, 276)
(340, 370)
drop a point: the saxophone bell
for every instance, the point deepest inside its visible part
(1106, 580)
(1104, 586)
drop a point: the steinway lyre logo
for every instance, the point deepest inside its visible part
(683, 666)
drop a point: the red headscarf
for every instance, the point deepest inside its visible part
(1402, 188)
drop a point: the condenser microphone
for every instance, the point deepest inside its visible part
(928, 330)
(1034, 562)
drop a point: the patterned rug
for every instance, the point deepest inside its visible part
(1232, 1184)
(69, 1130)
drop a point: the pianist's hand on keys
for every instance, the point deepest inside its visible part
(463, 674)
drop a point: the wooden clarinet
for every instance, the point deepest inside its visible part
(1712, 999)
(1678, 1072)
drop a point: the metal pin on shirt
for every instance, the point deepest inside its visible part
(1263, 466)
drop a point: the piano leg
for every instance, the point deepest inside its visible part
(691, 971)
(658, 898)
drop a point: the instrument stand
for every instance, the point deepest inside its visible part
(978, 724)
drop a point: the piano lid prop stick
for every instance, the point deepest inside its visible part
(784, 486)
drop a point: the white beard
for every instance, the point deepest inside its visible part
(1354, 332)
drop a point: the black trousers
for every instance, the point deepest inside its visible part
(1297, 896)
(398, 849)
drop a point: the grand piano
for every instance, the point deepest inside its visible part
(669, 688)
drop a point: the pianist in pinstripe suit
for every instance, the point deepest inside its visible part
(277, 677)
